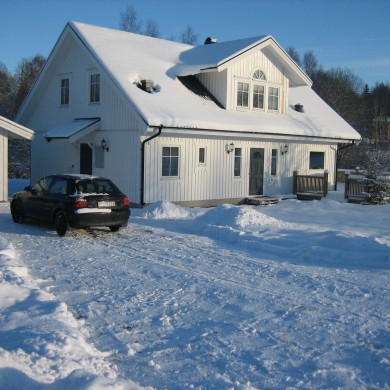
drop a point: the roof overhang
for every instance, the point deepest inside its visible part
(73, 131)
(14, 130)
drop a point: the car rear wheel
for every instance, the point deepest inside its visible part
(16, 211)
(61, 223)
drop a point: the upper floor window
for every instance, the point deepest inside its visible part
(273, 98)
(170, 161)
(242, 94)
(64, 92)
(257, 93)
(94, 91)
(259, 75)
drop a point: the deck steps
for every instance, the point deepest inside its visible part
(261, 200)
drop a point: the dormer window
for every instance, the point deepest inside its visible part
(257, 94)
(242, 94)
(259, 75)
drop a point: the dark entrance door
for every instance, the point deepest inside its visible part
(256, 171)
(85, 159)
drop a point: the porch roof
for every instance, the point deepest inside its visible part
(74, 130)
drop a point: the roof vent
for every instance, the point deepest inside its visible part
(147, 85)
(298, 107)
(210, 40)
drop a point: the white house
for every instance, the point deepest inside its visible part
(167, 121)
(9, 130)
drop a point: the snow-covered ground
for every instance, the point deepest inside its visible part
(294, 295)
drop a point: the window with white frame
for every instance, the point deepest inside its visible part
(273, 98)
(237, 162)
(317, 160)
(257, 93)
(94, 91)
(242, 94)
(274, 162)
(202, 156)
(170, 161)
(65, 92)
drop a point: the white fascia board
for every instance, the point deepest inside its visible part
(175, 132)
(15, 130)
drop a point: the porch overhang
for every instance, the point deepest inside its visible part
(74, 130)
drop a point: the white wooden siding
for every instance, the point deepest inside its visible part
(215, 179)
(3, 165)
(120, 124)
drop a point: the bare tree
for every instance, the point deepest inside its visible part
(152, 29)
(188, 36)
(129, 21)
(293, 53)
(27, 71)
(310, 63)
(7, 93)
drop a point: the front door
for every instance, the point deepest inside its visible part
(256, 171)
(85, 159)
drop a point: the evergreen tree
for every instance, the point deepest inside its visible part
(377, 186)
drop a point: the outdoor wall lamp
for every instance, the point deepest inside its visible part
(284, 149)
(104, 144)
(229, 148)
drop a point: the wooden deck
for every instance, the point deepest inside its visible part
(354, 189)
(308, 187)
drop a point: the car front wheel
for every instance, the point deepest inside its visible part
(61, 223)
(16, 211)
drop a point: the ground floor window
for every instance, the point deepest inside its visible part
(237, 161)
(202, 156)
(274, 162)
(170, 161)
(317, 160)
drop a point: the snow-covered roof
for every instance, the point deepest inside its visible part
(74, 130)
(128, 58)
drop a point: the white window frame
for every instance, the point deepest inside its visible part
(274, 161)
(204, 162)
(324, 160)
(64, 91)
(237, 158)
(170, 159)
(93, 99)
(261, 81)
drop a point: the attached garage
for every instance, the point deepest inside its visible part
(9, 130)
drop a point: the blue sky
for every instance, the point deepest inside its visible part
(342, 33)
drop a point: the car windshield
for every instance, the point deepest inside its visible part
(98, 186)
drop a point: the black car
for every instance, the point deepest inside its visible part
(78, 201)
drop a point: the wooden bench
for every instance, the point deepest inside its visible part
(308, 187)
(354, 189)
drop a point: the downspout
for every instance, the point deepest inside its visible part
(142, 203)
(339, 148)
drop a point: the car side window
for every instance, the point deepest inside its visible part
(42, 185)
(60, 186)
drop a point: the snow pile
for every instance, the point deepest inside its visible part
(40, 340)
(166, 210)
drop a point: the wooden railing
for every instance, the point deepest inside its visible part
(308, 187)
(354, 189)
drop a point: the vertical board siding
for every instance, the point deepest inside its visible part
(3, 165)
(215, 179)
(120, 124)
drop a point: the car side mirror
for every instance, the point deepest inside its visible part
(28, 188)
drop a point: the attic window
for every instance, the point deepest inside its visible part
(259, 75)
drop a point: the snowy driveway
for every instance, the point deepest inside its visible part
(289, 296)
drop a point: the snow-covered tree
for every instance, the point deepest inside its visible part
(377, 185)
